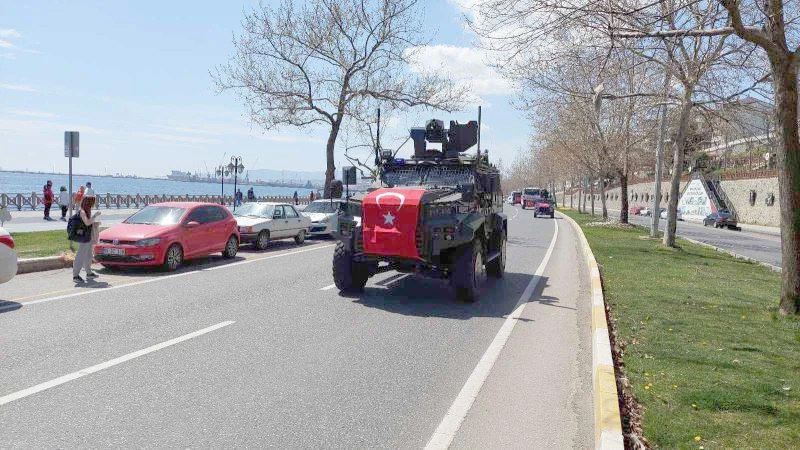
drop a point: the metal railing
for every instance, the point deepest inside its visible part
(34, 200)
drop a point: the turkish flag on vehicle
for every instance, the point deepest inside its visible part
(389, 222)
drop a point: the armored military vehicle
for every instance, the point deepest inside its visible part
(438, 214)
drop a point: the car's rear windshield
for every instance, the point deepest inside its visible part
(532, 191)
(255, 210)
(322, 207)
(157, 215)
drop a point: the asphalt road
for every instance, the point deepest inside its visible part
(759, 246)
(262, 352)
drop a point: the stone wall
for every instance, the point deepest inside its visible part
(738, 191)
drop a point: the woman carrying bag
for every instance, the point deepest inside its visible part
(85, 232)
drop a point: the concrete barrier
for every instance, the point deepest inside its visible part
(29, 265)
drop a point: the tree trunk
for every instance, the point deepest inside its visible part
(330, 171)
(603, 198)
(677, 169)
(591, 194)
(785, 76)
(623, 196)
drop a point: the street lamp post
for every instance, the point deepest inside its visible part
(222, 172)
(236, 167)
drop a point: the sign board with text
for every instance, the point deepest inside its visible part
(71, 144)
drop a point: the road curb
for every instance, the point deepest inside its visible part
(735, 255)
(29, 265)
(607, 421)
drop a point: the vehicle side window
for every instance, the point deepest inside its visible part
(216, 214)
(198, 215)
(290, 212)
(279, 212)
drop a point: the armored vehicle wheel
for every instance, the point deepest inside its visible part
(468, 271)
(497, 267)
(348, 275)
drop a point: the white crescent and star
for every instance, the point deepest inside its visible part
(388, 218)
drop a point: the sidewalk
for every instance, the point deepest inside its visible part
(760, 229)
(25, 221)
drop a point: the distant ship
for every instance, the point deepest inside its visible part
(177, 175)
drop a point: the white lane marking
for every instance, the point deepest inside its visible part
(448, 427)
(166, 277)
(98, 367)
(328, 288)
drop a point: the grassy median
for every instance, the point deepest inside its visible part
(40, 243)
(705, 352)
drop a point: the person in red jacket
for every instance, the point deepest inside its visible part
(48, 199)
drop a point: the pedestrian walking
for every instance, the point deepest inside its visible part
(79, 195)
(90, 191)
(47, 192)
(296, 198)
(311, 196)
(63, 202)
(238, 198)
(88, 229)
(251, 195)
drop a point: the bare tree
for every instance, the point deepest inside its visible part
(315, 64)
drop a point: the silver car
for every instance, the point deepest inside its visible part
(323, 215)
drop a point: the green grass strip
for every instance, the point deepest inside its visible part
(705, 352)
(41, 243)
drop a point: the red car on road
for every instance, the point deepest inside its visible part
(166, 234)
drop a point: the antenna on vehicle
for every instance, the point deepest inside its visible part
(479, 132)
(378, 140)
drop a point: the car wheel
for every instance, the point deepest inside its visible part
(468, 271)
(497, 267)
(173, 258)
(300, 238)
(231, 247)
(262, 240)
(348, 275)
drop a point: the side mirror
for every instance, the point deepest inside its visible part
(192, 224)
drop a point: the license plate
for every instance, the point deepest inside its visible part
(114, 251)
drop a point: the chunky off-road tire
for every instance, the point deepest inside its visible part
(173, 258)
(348, 275)
(300, 238)
(262, 240)
(497, 267)
(468, 272)
(231, 247)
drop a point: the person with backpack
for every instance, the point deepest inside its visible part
(81, 229)
(47, 194)
(63, 202)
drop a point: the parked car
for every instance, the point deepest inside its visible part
(167, 234)
(261, 222)
(323, 214)
(663, 214)
(634, 210)
(645, 211)
(720, 219)
(8, 257)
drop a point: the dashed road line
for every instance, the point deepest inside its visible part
(105, 365)
(328, 288)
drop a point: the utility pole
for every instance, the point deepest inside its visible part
(662, 132)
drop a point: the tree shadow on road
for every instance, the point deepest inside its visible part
(425, 297)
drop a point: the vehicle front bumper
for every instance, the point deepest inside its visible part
(247, 238)
(319, 228)
(134, 256)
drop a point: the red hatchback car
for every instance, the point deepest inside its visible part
(166, 234)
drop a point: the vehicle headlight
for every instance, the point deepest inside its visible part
(149, 242)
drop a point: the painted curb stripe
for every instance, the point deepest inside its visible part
(607, 420)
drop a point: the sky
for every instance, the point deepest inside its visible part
(133, 78)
